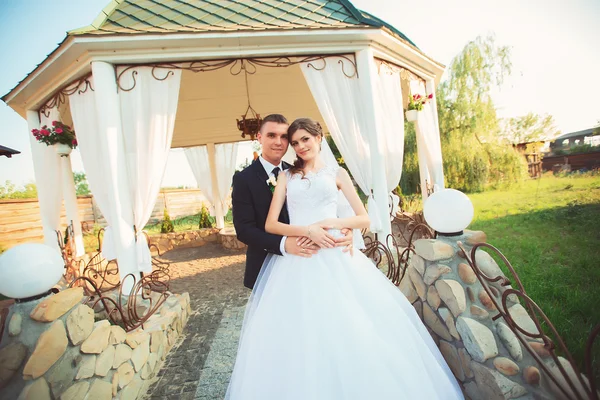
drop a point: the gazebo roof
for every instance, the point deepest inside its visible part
(8, 152)
(138, 32)
(176, 16)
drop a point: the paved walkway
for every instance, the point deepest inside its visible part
(218, 367)
(200, 365)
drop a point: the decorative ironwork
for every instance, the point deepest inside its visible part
(249, 126)
(3, 317)
(397, 259)
(101, 283)
(66, 244)
(126, 310)
(576, 390)
(347, 63)
(391, 68)
(80, 86)
(398, 247)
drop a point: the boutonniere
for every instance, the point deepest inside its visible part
(272, 182)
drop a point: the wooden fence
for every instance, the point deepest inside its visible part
(20, 219)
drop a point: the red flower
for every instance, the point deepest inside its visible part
(54, 123)
(45, 132)
(35, 131)
(74, 142)
(58, 130)
(417, 96)
(430, 96)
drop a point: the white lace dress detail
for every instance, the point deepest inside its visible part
(313, 197)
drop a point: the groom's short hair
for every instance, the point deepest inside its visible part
(277, 118)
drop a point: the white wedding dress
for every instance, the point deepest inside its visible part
(332, 326)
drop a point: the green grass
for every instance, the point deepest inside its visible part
(549, 229)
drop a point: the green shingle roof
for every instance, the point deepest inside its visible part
(170, 16)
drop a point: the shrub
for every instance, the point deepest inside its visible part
(167, 224)
(205, 221)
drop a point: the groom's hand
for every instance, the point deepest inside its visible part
(346, 241)
(300, 248)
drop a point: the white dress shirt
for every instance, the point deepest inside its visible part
(269, 170)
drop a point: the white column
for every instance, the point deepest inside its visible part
(41, 167)
(366, 76)
(212, 160)
(70, 202)
(114, 158)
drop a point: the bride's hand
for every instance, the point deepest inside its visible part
(319, 235)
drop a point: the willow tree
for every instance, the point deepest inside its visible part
(474, 157)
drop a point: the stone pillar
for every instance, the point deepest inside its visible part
(486, 356)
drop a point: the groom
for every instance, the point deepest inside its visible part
(251, 199)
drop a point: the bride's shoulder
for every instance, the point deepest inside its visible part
(331, 169)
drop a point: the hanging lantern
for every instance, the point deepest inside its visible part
(249, 126)
(251, 121)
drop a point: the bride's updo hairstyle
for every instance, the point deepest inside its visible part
(309, 125)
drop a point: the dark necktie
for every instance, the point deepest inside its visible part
(275, 172)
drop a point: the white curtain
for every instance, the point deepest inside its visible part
(225, 156)
(70, 202)
(46, 166)
(389, 110)
(83, 112)
(148, 118)
(339, 101)
(198, 159)
(428, 142)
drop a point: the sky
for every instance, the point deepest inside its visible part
(554, 44)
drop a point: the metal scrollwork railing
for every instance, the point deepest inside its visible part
(347, 62)
(104, 289)
(80, 85)
(126, 310)
(572, 386)
(395, 255)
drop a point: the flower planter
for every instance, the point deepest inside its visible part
(63, 150)
(412, 115)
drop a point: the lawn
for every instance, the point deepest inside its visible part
(549, 229)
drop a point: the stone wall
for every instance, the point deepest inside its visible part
(169, 241)
(53, 348)
(484, 355)
(229, 240)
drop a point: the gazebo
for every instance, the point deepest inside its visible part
(148, 76)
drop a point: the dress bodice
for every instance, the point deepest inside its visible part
(313, 197)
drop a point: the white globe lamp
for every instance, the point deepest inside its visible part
(448, 212)
(29, 270)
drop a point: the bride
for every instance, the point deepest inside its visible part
(331, 326)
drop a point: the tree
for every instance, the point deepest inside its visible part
(10, 191)
(29, 191)
(529, 128)
(465, 105)
(81, 185)
(473, 156)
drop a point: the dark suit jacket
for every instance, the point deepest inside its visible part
(251, 199)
